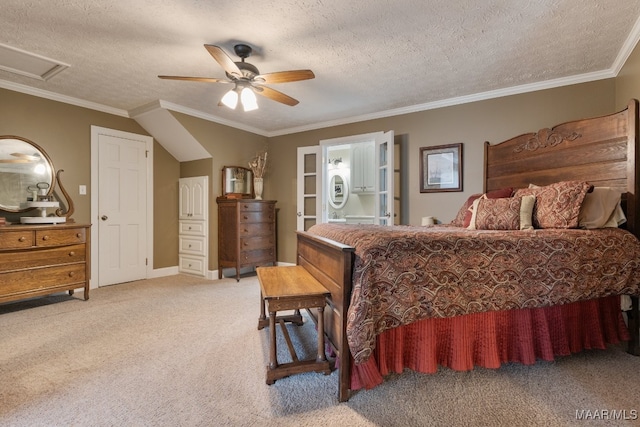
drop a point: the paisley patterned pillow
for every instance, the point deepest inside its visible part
(512, 213)
(557, 205)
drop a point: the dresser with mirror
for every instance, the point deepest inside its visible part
(42, 249)
(246, 226)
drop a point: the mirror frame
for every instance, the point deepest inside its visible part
(345, 191)
(228, 192)
(52, 178)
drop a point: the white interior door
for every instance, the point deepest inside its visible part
(384, 178)
(122, 207)
(309, 187)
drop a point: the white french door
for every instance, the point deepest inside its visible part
(309, 187)
(384, 201)
(382, 209)
(120, 207)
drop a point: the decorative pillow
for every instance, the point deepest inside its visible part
(464, 214)
(494, 194)
(509, 213)
(557, 205)
(458, 221)
(601, 208)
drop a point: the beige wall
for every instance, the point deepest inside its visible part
(165, 207)
(228, 147)
(64, 132)
(628, 80)
(472, 124)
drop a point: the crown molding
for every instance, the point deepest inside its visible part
(627, 48)
(40, 93)
(482, 96)
(210, 117)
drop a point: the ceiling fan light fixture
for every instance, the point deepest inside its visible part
(230, 99)
(248, 98)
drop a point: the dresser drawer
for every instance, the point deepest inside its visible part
(252, 217)
(67, 236)
(16, 239)
(256, 207)
(194, 245)
(37, 279)
(259, 242)
(257, 229)
(20, 260)
(192, 265)
(192, 228)
(257, 256)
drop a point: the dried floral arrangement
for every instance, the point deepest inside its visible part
(258, 164)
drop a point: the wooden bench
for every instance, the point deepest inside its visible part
(291, 288)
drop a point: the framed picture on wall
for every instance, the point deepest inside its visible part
(441, 168)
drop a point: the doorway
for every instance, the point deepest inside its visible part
(121, 206)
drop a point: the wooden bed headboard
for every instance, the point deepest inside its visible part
(602, 151)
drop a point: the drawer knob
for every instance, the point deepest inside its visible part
(72, 273)
(189, 245)
(245, 217)
(78, 235)
(22, 239)
(72, 253)
(189, 228)
(45, 237)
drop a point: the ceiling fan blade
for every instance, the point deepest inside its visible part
(223, 59)
(285, 76)
(275, 95)
(196, 79)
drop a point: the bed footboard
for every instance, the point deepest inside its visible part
(331, 264)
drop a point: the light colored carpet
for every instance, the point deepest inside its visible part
(183, 351)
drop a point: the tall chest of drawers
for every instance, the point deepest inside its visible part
(246, 234)
(38, 260)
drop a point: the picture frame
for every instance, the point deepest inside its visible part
(441, 168)
(338, 190)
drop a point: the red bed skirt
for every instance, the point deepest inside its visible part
(493, 338)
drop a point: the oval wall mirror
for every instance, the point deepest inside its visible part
(338, 191)
(24, 167)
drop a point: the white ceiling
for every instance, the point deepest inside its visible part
(371, 58)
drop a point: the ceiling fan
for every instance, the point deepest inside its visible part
(247, 79)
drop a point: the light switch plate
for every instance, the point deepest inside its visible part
(82, 190)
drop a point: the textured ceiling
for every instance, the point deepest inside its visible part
(370, 59)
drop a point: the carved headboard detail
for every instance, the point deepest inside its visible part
(546, 138)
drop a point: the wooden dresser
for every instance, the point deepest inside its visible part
(43, 259)
(246, 234)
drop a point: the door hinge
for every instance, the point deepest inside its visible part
(146, 153)
(146, 261)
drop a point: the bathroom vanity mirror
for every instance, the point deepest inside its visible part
(237, 182)
(338, 191)
(25, 168)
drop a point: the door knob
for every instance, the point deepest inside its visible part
(104, 217)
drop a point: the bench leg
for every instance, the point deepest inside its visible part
(321, 356)
(262, 320)
(273, 360)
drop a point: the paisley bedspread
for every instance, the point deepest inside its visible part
(406, 273)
